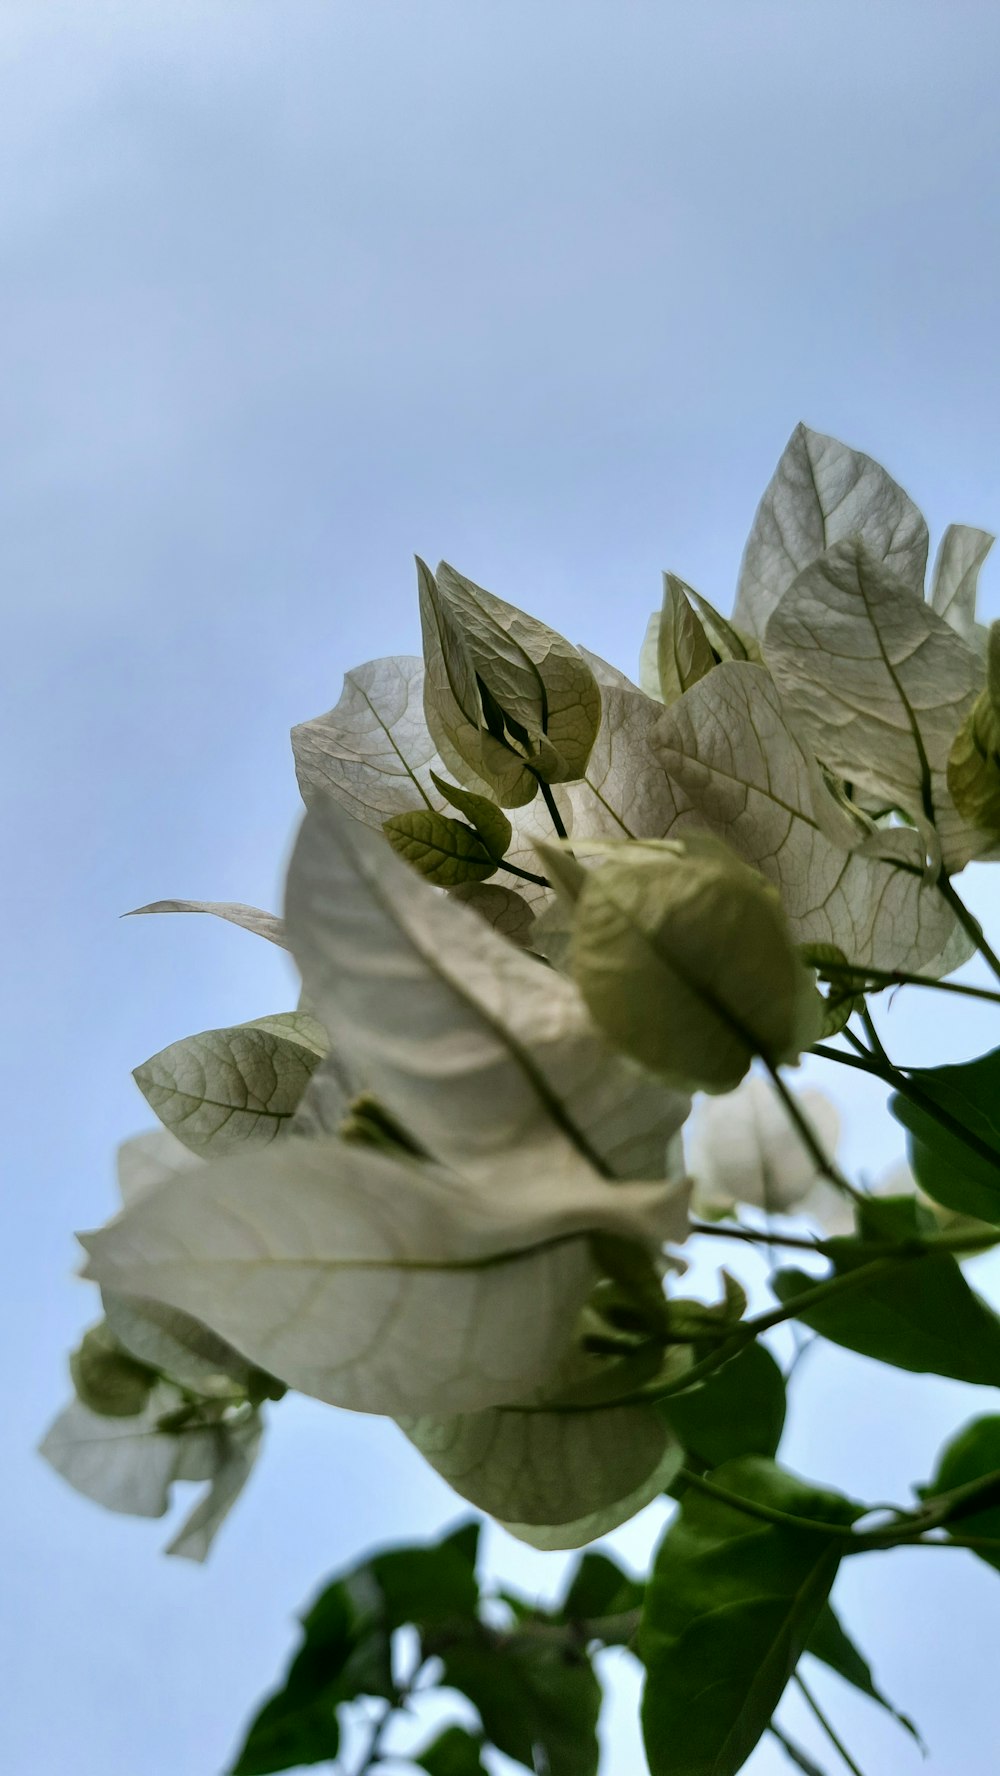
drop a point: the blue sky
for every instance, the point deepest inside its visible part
(290, 291)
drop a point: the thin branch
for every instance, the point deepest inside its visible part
(832, 1735)
(550, 802)
(809, 1138)
(514, 869)
(970, 925)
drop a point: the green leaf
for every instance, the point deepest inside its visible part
(956, 574)
(377, 1283)
(444, 851)
(920, 1316)
(829, 1642)
(347, 1644)
(455, 1752)
(107, 1379)
(684, 958)
(942, 1164)
(469, 1043)
(536, 1700)
(598, 1587)
(684, 653)
(730, 1605)
(878, 686)
(489, 821)
(971, 1455)
(738, 1410)
(821, 493)
(234, 912)
(226, 1089)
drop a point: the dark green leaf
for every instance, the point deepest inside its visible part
(597, 1588)
(537, 1698)
(346, 1649)
(943, 1165)
(739, 1410)
(921, 1315)
(730, 1605)
(829, 1642)
(454, 1752)
(973, 1454)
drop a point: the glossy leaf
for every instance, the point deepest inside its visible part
(921, 1315)
(821, 493)
(738, 1410)
(942, 1164)
(972, 1455)
(599, 1588)
(346, 1646)
(536, 1700)
(730, 1604)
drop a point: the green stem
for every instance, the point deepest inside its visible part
(810, 1140)
(550, 802)
(899, 977)
(907, 1088)
(832, 1735)
(794, 1753)
(875, 1039)
(765, 1513)
(970, 925)
(728, 1230)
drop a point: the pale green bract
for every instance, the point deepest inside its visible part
(956, 578)
(131, 1464)
(506, 699)
(743, 1149)
(684, 957)
(451, 1187)
(553, 1479)
(878, 685)
(474, 1047)
(821, 493)
(378, 1284)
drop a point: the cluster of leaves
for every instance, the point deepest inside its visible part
(536, 908)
